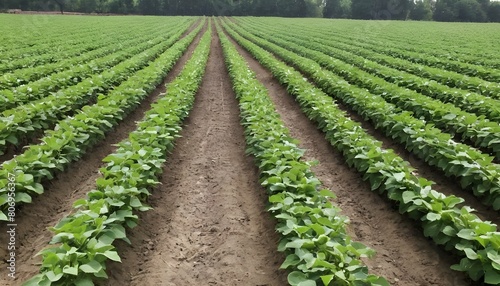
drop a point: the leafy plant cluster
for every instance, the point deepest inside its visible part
(74, 56)
(314, 238)
(456, 228)
(25, 120)
(95, 62)
(471, 68)
(478, 130)
(28, 55)
(453, 78)
(363, 58)
(436, 51)
(34, 57)
(422, 38)
(466, 100)
(473, 169)
(85, 238)
(74, 135)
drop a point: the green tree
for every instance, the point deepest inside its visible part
(470, 11)
(149, 7)
(494, 12)
(421, 11)
(337, 9)
(445, 11)
(362, 9)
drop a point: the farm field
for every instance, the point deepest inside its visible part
(248, 151)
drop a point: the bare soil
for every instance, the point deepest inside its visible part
(209, 225)
(60, 193)
(404, 255)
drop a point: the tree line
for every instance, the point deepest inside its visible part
(438, 10)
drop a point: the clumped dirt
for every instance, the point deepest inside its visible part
(209, 225)
(404, 255)
(60, 193)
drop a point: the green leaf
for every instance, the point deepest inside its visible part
(471, 254)
(296, 277)
(53, 277)
(399, 176)
(3, 217)
(291, 260)
(307, 283)
(91, 267)
(85, 281)
(23, 197)
(70, 270)
(113, 255)
(433, 216)
(492, 277)
(326, 279)
(327, 193)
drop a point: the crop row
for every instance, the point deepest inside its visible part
(427, 44)
(473, 169)
(111, 56)
(472, 70)
(465, 61)
(85, 238)
(480, 132)
(73, 136)
(371, 52)
(313, 232)
(457, 229)
(36, 116)
(49, 50)
(467, 101)
(92, 48)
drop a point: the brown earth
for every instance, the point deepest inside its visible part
(404, 255)
(60, 193)
(209, 225)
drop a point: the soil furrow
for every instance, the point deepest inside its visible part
(404, 255)
(209, 225)
(445, 185)
(60, 193)
(35, 138)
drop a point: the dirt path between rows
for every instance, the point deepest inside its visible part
(404, 256)
(209, 225)
(35, 138)
(60, 193)
(445, 185)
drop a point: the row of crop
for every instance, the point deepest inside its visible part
(111, 57)
(463, 59)
(43, 51)
(313, 233)
(93, 47)
(473, 169)
(451, 79)
(427, 44)
(73, 136)
(471, 102)
(46, 45)
(481, 133)
(24, 120)
(457, 229)
(473, 70)
(85, 238)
